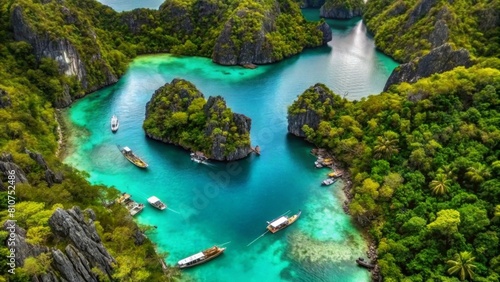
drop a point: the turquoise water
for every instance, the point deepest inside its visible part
(222, 202)
(127, 5)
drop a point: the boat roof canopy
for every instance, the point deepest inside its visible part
(153, 199)
(192, 258)
(127, 149)
(279, 221)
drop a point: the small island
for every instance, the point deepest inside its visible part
(179, 114)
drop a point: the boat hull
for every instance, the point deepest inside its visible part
(203, 261)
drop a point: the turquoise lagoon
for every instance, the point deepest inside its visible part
(231, 202)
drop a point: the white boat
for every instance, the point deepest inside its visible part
(281, 222)
(114, 123)
(329, 181)
(201, 257)
(198, 157)
(157, 203)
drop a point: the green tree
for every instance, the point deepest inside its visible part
(387, 145)
(478, 173)
(440, 184)
(463, 265)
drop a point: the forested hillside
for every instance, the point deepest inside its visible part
(406, 30)
(424, 164)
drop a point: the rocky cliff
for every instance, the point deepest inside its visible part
(407, 30)
(439, 60)
(342, 9)
(79, 54)
(82, 248)
(179, 114)
(311, 3)
(312, 106)
(257, 34)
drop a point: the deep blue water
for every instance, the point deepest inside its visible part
(222, 202)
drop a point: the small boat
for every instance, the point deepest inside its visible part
(155, 202)
(329, 181)
(198, 157)
(335, 174)
(114, 123)
(282, 222)
(127, 152)
(363, 263)
(201, 257)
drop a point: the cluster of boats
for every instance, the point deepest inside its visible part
(332, 178)
(134, 207)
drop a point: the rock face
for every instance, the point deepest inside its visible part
(63, 51)
(311, 3)
(84, 250)
(305, 110)
(341, 9)
(50, 176)
(439, 60)
(251, 37)
(7, 165)
(178, 114)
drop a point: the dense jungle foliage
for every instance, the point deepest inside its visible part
(406, 29)
(179, 113)
(425, 170)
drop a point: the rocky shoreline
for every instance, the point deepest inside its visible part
(347, 188)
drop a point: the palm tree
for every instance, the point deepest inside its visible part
(440, 184)
(478, 173)
(386, 145)
(463, 264)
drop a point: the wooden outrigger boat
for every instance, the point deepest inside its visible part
(157, 203)
(127, 152)
(282, 222)
(201, 257)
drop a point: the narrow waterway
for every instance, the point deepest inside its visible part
(222, 202)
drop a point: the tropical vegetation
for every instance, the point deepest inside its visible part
(179, 113)
(423, 160)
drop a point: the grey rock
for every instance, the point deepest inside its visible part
(136, 19)
(4, 99)
(309, 116)
(66, 268)
(440, 34)
(7, 165)
(139, 237)
(51, 177)
(421, 8)
(312, 3)
(439, 60)
(23, 249)
(342, 12)
(327, 32)
(38, 158)
(69, 59)
(49, 277)
(70, 224)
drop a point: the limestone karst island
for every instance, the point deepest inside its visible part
(252, 140)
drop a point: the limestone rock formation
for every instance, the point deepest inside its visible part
(342, 9)
(7, 165)
(84, 250)
(178, 114)
(306, 109)
(439, 60)
(311, 3)
(87, 66)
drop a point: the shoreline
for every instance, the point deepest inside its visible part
(371, 253)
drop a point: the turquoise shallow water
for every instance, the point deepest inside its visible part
(221, 202)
